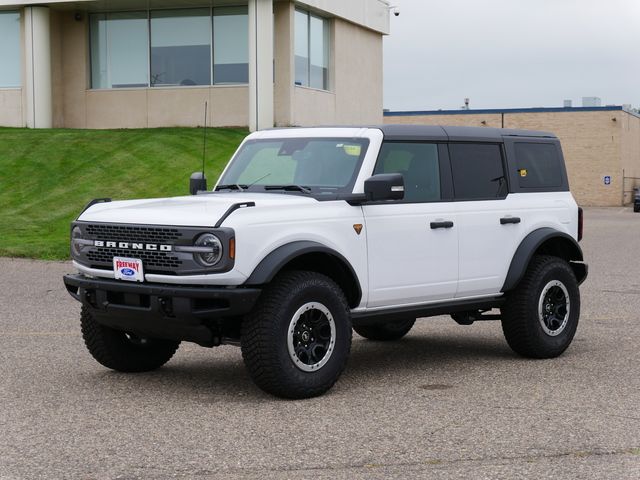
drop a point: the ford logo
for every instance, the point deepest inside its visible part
(128, 272)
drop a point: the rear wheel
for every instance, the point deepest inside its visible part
(296, 341)
(540, 317)
(122, 351)
(386, 331)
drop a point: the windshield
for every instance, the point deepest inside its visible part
(298, 165)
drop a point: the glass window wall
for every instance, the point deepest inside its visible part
(318, 53)
(10, 64)
(119, 50)
(302, 48)
(312, 46)
(168, 47)
(180, 47)
(230, 45)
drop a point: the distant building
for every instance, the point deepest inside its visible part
(601, 145)
(152, 63)
(591, 102)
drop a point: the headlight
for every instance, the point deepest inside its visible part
(211, 257)
(76, 246)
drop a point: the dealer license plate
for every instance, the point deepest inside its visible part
(129, 269)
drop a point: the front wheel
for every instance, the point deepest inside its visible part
(122, 351)
(296, 341)
(540, 317)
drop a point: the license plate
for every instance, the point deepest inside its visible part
(129, 269)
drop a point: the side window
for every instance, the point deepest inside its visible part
(418, 163)
(478, 171)
(538, 165)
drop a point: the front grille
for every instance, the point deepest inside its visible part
(150, 259)
(153, 261)
(126, 233)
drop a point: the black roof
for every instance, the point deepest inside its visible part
(441, 133)
(464, 134)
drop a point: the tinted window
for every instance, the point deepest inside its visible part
(478, 172)
(538, 165)
(418, 163)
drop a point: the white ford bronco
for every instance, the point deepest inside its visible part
(311, 233)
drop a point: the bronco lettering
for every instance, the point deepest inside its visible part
(133, 246)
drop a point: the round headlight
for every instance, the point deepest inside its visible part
(209, 259)
(76, 247)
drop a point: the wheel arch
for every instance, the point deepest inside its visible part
(312, 256)
(545, 241)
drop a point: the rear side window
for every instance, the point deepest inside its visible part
(478, 171)
(538, 165)
(419, 165)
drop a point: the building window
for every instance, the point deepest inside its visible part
(180, 47)
(169, 48)
(10, 49)
(230, 45)
(119, 50)
(312, 43)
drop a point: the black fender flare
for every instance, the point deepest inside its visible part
(270, 265)
(530, 245)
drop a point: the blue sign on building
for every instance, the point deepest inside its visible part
(607, 180)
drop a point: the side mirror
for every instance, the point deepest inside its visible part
(384, 186)
(197, 183)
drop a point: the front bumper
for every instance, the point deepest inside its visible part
(193, 313)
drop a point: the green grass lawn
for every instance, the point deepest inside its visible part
(47, 176)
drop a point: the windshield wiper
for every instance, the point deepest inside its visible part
(288, 188)
(232, 186)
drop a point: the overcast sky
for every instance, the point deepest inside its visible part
(511, 53)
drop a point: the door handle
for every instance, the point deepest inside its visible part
(446, 224)
(505, 220)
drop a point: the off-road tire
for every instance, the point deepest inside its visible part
(123, 352)
(521, 321)
(385, 332)
(265, 335)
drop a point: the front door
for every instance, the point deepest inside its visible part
(412, 244)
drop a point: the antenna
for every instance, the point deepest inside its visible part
(204, 139)
(198, 181)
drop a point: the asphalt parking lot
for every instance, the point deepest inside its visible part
(445, 402)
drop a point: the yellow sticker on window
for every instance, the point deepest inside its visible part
(523, 172)
(353, 150)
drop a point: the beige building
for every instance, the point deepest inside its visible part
(153, 63)
(601, 145)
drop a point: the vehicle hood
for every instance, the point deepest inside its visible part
(198, 210)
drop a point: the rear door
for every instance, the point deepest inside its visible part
(490, 227)
(413, 243)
